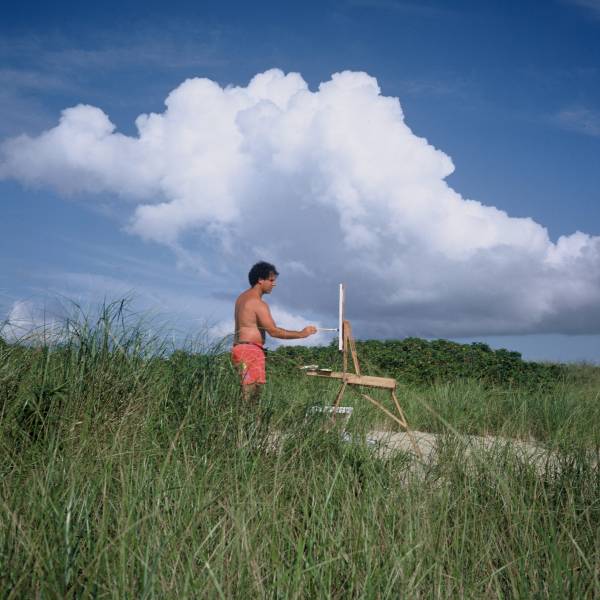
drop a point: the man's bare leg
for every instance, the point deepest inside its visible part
(251, 393)
(250, 418)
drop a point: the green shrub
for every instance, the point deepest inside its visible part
(418, 361)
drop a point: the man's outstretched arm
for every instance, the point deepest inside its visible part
(266, 322)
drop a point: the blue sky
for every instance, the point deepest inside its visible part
(510, 91)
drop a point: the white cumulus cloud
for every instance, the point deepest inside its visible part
(331, 185)
(32, 322)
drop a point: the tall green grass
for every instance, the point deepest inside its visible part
(130, 470)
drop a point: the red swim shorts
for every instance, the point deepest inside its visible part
(250, 360)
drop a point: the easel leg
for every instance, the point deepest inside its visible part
(413, 441)
(348, 343)
(351, 345)
(401, 421)
(338, 399)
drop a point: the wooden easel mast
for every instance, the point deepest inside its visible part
(348, 378)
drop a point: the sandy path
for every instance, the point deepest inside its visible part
(388, 442)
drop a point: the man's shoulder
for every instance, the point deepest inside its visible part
(245, 295)
(247, 298)
(259, 303)
(255, 304)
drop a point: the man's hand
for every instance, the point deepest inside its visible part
(309, 330)
(266, 323)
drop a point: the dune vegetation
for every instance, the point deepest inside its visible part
(131, 469)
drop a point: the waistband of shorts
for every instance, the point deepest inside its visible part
(251, 344)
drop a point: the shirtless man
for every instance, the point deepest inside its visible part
(252, 320)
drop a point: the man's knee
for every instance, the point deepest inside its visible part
(251, 391)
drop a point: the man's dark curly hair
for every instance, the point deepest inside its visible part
(261, 270)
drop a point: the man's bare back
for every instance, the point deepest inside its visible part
(247, 325)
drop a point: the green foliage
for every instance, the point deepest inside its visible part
(418, 361)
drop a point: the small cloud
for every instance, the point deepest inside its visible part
(32, 80)
(412, 8)
(579, 120)
(223, 331)
(593, 6)
(428, 88)
(32, 323)
(166, 48)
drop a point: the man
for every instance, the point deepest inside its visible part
(252, 320)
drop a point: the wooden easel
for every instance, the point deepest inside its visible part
(357, 378)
